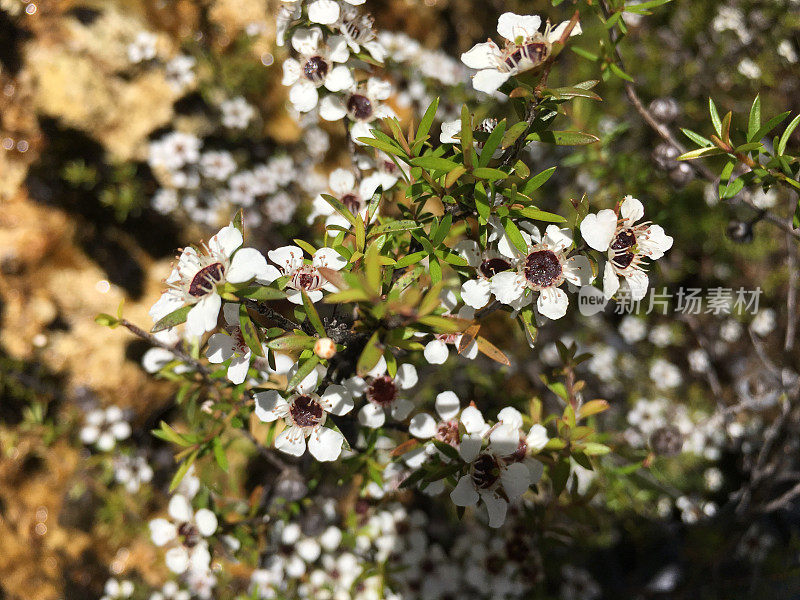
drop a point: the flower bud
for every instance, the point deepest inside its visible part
(325, 348)
(666, 441)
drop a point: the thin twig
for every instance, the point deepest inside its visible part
(791, 297)
(176, 350)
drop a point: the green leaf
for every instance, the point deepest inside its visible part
(390, 149)
(394, 227)
(537, 215)
(340, 208)
(106, 320)
(595, 449)
(168, 434)
(372, 266)
(769, 126)
(411, 259)
(447, 450)
(182, 470)
(715, 120)
(238, 221)
(174, 318)
(370, 355)
(563, 138)
(513, 233)
(292, 342)
(443, 229)
(453, 175)
(697, 138)
(619, 72)
(700, 152)
(313, 315)
(491, 144)
(567, 93)
(779, 150)
(305, 246)
(516, 130)
(734, 187)
(444, 324)
(434, 162)
(219, 454)
(584, 53)
(537, 181)
(482, 202)
(303, 372)
(754, 121)
(425, 125)
(249, 332)
(489, 173)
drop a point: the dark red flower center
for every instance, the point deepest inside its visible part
(493, 266)
(485, 471)
(307, 278)
(447, 432)
(623, 259)
(359, 106)
(625, 239)
(352, 202)
(203, 282)
(315, 69)
(305, 411)
(382, 391)
(542, 268)
(190, 534)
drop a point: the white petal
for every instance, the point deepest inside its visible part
(476, 292)
(558, 30)
(507, 286)
(325, 12)
(247, 263)
(291, 71)
(177, 559)
(371, 416)
(578, 271)
(203, 315)
(470, 446)
(379, 369)
(237, 370)
(631, 209)
(199, 559)
(598, 230)
(510, 416)
(464, 494)
(488, 80)
(206, 522)
(180, 509)
(162, 531)
(339, 399)
(610, 281)
(167, 303)
(516, 479)
(406, 376)
(638, 282)
(416, 457)
(306, 41)
(401, 408)
(227, 240)
(481, 56)
(220, 348)
(557, 238)
(537, 438)
(325, 444)
(422, 426)
(121, 430)
(496, 507)
(552, 303)
(291, 441)
(449, 130)
(330, 258)
(504, 439)
(230, 312)
(341, 181)
(308, 549)
(339, 79)
(469, 249)
(512, 26)
(303, 96)
(287, 258)
(270, 406)
(332, 109)
(472, 419)
(447, 405)
(656, 242)
(436, 352)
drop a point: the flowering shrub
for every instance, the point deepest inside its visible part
(447, 336)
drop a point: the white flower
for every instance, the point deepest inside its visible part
(437, 350)
(749, 68)
(185, 535)
(117, 590)
(171, 591)
(164, 201)
(362, 104)
(230, 345)
(237, 113)
(217, 165)
(450, 129)
(143, 47)
(304, 276)
(132, 472)
(542, 269)
(104, 428)
(304, 414)
(195, 279)
(764, 322)
(627, 244)
(383, 393)
(487, 263)
(316, 67)
(525, 48)
(698, 360)
(180, 72)
(174, 150)
(664, 374)
(280, 208)
(632, 329)
(344, 187)
(490, 477)
(357, 29)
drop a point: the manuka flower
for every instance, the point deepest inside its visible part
(488, 263)
(542, 269)
(343, 186)
(627, 244)
(383, 393)
(362, 104)
(194, 281)
(525, 48)
(315, 67)
(304, 276)
(104, 428)
(356, 27)
(230, 345)
(185, 535)
(304, 414)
